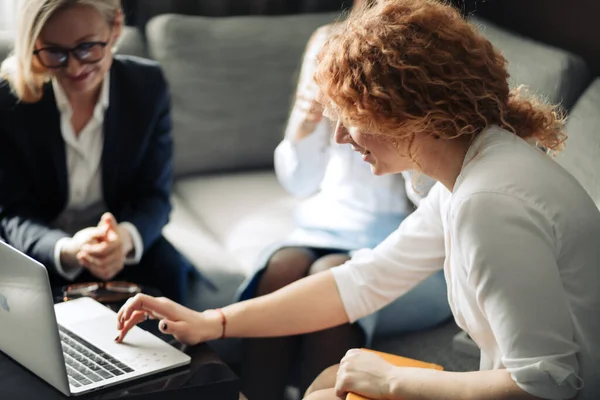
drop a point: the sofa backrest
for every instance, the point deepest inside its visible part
(232, 82)
(132, 43)
(581, 156)
(555, 74)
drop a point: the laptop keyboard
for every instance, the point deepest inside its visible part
(86, 364)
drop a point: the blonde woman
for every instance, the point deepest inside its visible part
(414, 85)
(86, 160)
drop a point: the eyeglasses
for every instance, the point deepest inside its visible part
(58, 57)
(104, 292)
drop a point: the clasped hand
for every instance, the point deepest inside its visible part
(101, 249)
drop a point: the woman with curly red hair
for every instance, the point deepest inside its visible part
(343, 207)
(415, 86)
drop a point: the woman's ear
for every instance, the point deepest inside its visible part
(118, 24)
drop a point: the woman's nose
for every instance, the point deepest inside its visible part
(73, 67)
(342, 136)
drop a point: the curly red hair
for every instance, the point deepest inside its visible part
(410, 66)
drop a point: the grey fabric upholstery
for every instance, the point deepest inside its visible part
(132, 43)
(232, 81)
(6, 44)
(581, 156)
(554, 74)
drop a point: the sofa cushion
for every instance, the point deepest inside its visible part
(555, 74)
(581, 156)
(221, 271)
(242, 213)
(232, 81)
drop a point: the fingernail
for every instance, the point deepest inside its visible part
(117, 338)
(164, 326)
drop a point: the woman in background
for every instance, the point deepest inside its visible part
(86, 155)
(348, 208)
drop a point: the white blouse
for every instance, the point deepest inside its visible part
(519, 242)
(84, 170)
(344, 193)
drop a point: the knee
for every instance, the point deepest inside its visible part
(327, 262)
(325, 380)
(285, 266)
(327, 394)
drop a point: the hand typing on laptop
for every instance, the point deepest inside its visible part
(187, 326)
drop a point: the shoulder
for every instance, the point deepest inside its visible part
(488, 220)
(487, 205)
(133, 65)
(139, 74)
(508, 169)
(322, 33)
(318, 39)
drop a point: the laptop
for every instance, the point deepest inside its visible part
(70, 345)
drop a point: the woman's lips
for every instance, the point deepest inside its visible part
(80, 77)
(359, 150)
(366, 154)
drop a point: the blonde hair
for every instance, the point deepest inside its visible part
(410, 66)
(18, 69)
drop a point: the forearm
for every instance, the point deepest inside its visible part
(301, 124)
(426, 384)
(300, 167)
(32, 237)
(308, 305)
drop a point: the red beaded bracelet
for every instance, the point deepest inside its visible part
(223, 321)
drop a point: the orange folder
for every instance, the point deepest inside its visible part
(399, 362)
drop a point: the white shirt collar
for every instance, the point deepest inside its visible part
(62, 102)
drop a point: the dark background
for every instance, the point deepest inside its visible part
(573, 25)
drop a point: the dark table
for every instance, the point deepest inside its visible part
(206, 378)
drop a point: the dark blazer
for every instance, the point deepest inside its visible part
(136, 160)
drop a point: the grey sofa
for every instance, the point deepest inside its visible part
(232, 82)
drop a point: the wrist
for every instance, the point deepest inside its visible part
(68, 253)
(216, 322)
(395, 382)
(127, 239)
(306, 129)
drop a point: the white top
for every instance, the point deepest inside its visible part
(84, 157)
(518, 240)
(346, 196)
